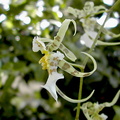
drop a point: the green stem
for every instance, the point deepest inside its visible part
(114, 6)
(99, 32)
(79, 97)
(84, 64)
(95, 41)
(86, 59)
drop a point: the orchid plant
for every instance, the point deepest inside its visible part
(54, 53)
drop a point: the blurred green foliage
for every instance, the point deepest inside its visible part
(21, 76)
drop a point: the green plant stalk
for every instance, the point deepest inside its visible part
(95, 41)
(99, 32)
(114, 6)
(86, 58)
(84, 64)
(79, 97)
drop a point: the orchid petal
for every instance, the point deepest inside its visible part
(88, 7)
(88, 10)
(77, 13)
(107, 104)
(37, 44)
(67, 52)
(64, 65)
(86, 39)
(51, 84)
(53, 74)
(107, 43)
(60, 35)
(98, 8)
(89, 37)
(46, 40)
(73, 100)
(103, 116)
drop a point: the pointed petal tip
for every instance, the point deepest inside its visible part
(53, 93)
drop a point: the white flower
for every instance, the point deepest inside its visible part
(53, 74)
(92, 110)
(50, 62)
(58, 54)
(53, 59)
(85, 39)
(38, 45)
(96, 105)
(103, 116)
(88, 7)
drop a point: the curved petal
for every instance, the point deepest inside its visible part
(107, 104)
(60, 35)
(37, 44)
(70, 55)
(107, 43)
(85, 110)
(77, 13)
(73, 100)
(99, 8)
(64, 65)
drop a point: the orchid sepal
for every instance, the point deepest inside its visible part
(60, 35)
(73, 100)
(66, 66)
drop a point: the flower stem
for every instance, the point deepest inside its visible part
(79, 97)
(114, 6)
(84, 64)
(86, 58)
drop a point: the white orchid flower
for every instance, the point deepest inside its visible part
(88, 10)
(90, 24)
(85, 39)
(53, 74)
(38, 45)
(53, 59)
(88, 38)
(92, 110)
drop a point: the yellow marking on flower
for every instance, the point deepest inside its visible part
(45, 60)
(46, 52)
